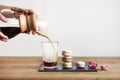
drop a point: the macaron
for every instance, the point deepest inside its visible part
(104, 67)
(92, 65)
(66, 53)
(67, 65)
(80, 64)
(67, 59)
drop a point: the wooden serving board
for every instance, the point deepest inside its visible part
(73, 69)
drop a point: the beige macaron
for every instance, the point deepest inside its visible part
(67, 59)
(67, 64)
(66, 53)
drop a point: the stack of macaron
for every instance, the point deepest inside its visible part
(67, 59)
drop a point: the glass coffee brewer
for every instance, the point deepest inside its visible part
(27, 21)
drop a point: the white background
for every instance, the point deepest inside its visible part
(86, 27)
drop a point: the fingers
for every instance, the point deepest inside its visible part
(3, 37)
(20, 10)
(7, 13)
(15, 12)
(10, 14)
(16, 15)
(29, 12)
(30, 32)
(2, 18)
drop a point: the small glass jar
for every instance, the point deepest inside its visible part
(50, 54)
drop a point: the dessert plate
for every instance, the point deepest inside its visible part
(73, 69)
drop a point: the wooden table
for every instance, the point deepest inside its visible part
(26, 68)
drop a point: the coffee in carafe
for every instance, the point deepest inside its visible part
(10, 31)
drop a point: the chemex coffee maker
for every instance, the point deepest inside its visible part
(27, 21)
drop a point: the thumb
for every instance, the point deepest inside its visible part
(3, 37)
(2, 18)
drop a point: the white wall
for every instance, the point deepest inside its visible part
(86, 27)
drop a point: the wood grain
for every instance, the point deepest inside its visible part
(26, 68)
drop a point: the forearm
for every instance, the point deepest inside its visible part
(4, 7)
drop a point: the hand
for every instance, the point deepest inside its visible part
(2, 36)
(4, 14)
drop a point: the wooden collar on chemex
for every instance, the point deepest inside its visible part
(27, 19)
